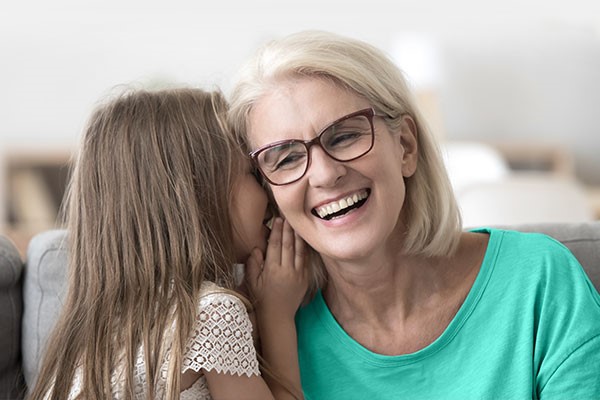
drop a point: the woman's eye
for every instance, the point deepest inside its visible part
(343, 139)
(290, 161)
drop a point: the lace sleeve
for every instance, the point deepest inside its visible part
(222, 337)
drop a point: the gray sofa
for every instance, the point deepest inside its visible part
(31, 293)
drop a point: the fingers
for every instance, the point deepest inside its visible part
(299, 252)
(288, 246)
(273, 256)
(285, 247)
(254, 267)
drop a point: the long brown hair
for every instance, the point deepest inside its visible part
(148, 222)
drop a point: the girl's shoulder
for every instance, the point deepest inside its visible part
(207, 288)
(221, 337)
(215, 296)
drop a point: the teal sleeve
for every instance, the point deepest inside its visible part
(568, 337)
(579, 374)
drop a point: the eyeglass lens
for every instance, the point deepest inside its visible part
(343, 141)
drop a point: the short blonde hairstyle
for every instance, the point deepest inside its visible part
(433, 219)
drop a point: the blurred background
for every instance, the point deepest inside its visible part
(511, 88)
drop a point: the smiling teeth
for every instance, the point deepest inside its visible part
(337, 206)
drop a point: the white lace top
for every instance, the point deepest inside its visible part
(221, 341)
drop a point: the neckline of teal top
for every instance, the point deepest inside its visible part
(473, 297)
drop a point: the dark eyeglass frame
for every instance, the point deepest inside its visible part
(369, 113)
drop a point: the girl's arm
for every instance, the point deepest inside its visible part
(279, 285)
(222, 350)
(225, 386)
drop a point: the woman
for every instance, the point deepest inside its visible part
(161, 205)
(407, 305)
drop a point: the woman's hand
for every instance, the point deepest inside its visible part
(280, 281)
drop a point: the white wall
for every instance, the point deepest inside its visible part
(538, 84)
(59, 57)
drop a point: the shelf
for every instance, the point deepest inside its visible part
(534, 156)
(32, 187)
(593, 193)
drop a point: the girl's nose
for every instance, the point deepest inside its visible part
(323, 170)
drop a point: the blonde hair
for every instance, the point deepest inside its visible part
(433, 219)
(148, 222)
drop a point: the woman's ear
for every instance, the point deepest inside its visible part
(409, 143)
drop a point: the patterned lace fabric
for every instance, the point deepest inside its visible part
(221, 341)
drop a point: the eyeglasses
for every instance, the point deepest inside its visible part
(346, 139)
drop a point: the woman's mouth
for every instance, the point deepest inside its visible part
(342, 206)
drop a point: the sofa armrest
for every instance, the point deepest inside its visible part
(44, 289)
(11, 305)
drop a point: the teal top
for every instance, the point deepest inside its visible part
(529, 328)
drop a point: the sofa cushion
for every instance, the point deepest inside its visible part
(11, 268)
(44, 289)
(46, 278)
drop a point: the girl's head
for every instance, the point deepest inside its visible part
(152, 187)
(432, 217)
(150, 217)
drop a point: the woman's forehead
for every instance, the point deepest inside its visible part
(299, 109)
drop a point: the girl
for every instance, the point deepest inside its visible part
(161, 205)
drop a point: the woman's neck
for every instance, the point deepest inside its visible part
(368, 288)
(395, 285)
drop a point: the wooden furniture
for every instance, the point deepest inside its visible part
(33, 181)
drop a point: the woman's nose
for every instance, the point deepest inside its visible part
(323, 170)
